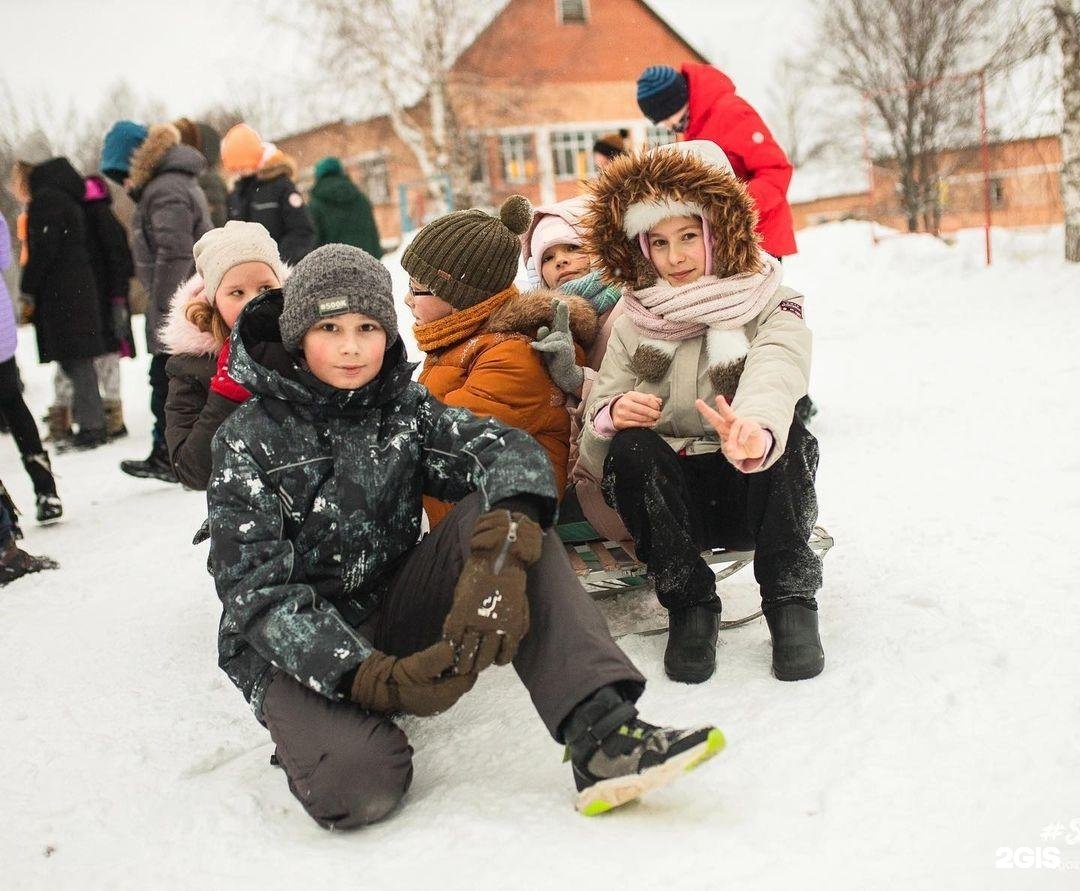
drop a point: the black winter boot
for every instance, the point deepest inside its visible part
(15, 562)
(793, 624)
(617, 757)
(156, 466)
(690, 656)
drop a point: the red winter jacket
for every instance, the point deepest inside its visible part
(718, 115)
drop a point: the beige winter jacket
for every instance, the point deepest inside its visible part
(775, 377)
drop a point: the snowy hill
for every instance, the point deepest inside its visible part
(943, 728)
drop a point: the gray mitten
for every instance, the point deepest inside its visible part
(556, 348)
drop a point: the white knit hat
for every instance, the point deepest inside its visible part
(219, 250)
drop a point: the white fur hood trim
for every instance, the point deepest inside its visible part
(641, 216)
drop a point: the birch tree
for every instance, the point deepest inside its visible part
(398, 55)
(1067, 19)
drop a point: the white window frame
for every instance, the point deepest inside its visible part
(559, 10)
(374, 169)
(576, 139)
(520, 148)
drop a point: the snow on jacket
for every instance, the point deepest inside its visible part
(488, 367)
(719, 115)
(171, 214)
(110, 256)
(270, 197)
(316, 494)
(8, 335)
(193, 413)
(58, 274)
(776, 368)
(343, 214)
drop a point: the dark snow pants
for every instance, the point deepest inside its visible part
(348, 766)
(86, 405)
(159, 394)
(675, 506)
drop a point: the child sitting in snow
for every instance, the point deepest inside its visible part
(705, 320)
(233, 264)
(476, 327)
(335, 619)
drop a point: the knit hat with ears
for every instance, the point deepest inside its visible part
(219, 250)
(467, 256)
(661, 91)
(611, 145)
(241, 149)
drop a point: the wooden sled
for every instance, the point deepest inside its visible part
(612, 574)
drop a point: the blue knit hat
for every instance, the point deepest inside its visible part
(120, 143)
(661, 91)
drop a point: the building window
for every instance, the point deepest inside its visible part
(518, 158)
(572, 11)
(997, 192)
(374, 179)
(655, 136)
(572, 154)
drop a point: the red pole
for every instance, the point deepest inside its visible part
(985, 159)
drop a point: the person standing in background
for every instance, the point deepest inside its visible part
(610, 146)
(170, 216)
(342, 213)
(266, 192)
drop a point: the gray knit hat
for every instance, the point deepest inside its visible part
(467, 256)
(219, 250)
(331, 281)
(34, 149)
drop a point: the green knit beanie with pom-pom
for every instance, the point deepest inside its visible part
(467, 256)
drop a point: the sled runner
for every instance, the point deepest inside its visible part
(612, 574)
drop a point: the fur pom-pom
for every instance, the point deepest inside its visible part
(516, 214)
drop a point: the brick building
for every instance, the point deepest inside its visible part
(535, 88)
(1024, 189)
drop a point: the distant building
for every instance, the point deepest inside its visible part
(547, 77)
(1024, 189)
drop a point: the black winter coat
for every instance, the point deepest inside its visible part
(58, 274)
(275, 202)
(316, 495)
(110, 258)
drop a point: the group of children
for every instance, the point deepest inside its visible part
(648, 382)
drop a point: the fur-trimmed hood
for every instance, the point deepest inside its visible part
(278, 164)
(525, 312)
(664, 176)
(162, 151)
(178, 334)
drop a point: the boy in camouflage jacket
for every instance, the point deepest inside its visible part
(335, 618)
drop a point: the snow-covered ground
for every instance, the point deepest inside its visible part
(943, 730)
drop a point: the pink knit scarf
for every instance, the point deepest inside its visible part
(664, 312)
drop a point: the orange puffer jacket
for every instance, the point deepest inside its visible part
(480, 359)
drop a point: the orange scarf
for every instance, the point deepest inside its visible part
(460, 325)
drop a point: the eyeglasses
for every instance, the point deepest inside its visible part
(419, 291)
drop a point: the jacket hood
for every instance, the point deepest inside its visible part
(57, 173)
(146, 159)
(707, 86)
(97, 189)
(278, 164)
(668, 177)
(257, 328)
(525, 312)
(336, 189)
(178, 333)
(183, 159)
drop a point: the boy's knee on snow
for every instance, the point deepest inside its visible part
(361, 783)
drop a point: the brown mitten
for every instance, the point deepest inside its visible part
(490, 614)
(414, 684)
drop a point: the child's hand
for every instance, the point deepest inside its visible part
(636, 409)
(740, 438)
(556, 347)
